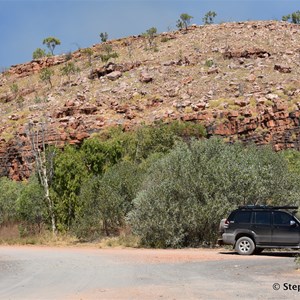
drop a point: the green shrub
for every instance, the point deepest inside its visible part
(9, 193)
(68, 69)
(46, 75)
(39, 53)
(190, 190)
(105, 201)
(150, 35)
(31, 207)
(69, 174)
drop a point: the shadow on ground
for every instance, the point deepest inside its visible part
(272, 253)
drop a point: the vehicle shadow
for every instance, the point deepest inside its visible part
(266, 253)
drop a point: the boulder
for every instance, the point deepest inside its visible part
(114, 75)
(145, 77)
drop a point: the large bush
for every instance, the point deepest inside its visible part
(31, 207)
(69, 174)
(105, 201)
(9, 193)
(187, 192)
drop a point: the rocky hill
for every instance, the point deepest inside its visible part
(240, 80)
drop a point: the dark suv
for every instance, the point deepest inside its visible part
(252, 228)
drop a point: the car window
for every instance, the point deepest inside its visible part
(263, 217)
(282, 218)
(242, 217)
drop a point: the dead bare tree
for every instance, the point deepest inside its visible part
(43, 158)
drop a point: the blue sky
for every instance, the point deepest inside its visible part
(77, 23)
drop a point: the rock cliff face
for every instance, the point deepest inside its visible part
(240, 80)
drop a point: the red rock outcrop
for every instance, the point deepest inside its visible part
(240, 80)
(27, 69)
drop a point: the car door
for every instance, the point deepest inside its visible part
(262, 227)
(283, 233)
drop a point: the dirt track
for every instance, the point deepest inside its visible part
(90, 273)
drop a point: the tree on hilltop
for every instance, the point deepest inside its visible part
(51, 42)
(209, 17)
(150, 35)
(103, 36)
(184, 21)
(294, 17)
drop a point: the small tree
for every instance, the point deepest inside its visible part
(294, 17)
(43, 158)
(150, 35)
(103, 36)
(9, 192)
(69, 69)
(209, 17)
(286, 18)
(184, 21)
(69, 174)
(39, 53)
(30, 206)
(51, 42)
(46, 75)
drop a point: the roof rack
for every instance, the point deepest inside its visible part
(267, 207)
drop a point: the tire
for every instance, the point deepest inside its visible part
(244, 246)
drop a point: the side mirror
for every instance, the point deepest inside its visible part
(292, 223)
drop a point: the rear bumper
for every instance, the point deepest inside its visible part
(228, 239)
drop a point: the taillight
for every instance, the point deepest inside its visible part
(226, 222)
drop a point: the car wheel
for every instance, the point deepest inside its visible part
(245, 246)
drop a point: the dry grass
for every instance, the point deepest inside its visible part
(10, 235)
(120, 241)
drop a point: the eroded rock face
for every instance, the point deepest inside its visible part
(24, 70)
(245, 87)
(112, 67)
(246, 53)
(283, 68)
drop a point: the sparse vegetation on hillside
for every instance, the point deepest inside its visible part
(89, 53)
(105, 57)
(69, 69)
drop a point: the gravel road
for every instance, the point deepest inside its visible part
(90, 273)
